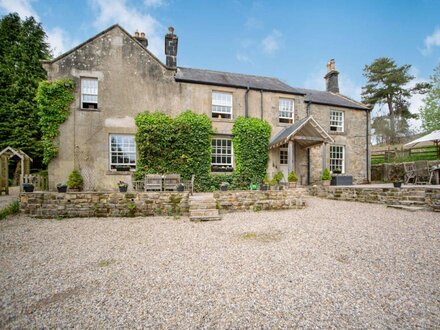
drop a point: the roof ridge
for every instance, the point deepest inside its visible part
(349, 99)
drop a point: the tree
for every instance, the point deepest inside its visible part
(430, 111)
(22, 46)
(388, 85)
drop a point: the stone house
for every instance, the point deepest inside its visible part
(117, 77)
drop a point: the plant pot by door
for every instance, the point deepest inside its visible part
(397, 184)
(292, 185)
(123, 189)
(180, 188)
(28, 187)
(224, 188)
(62, 189)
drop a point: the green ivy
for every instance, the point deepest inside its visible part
(181, 145)
(53, 100)
(251, 145)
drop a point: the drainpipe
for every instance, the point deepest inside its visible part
(246, 96)
(367, 131)
(309, 166)
(261, 105)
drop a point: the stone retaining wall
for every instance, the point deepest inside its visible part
(230, 201)
(413, 196)
(103, 204)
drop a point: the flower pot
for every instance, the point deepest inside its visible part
(180, 188)
(292, 185)
(62, 189)
(326, 183)
(397, 184)
(73, 189)
(224, 188)
(28, 187)
(264, 187)
(253, 186)
(123, 189)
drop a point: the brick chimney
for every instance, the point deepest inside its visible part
(142, 39)
(331, 78)
(171, 42)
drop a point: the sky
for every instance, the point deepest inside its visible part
(291, 40)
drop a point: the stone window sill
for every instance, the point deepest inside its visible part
(336, 133)
(89, 110)
(224, 120)
(120, 172)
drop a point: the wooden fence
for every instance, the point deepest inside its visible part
(402, 155)
(40, 182)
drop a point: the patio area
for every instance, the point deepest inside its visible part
(358, 266)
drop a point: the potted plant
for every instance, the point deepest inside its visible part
(278, 176)
(224, 186)
(62, 187)
(264, 185)
(123, 186)
(180, 187)
(122, 168)
(293, 179)
(326, 177)
(337, 171)
(253, 186)
(75, 182)
(28, 187)
(397, 179)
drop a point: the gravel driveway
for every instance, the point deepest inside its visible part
(333, 264)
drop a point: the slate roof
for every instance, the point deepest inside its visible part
(292, 129)
(220, 78)
(234, 80)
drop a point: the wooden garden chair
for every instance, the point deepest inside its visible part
(171, 181)
(153, 182)
(423, 175)
(410, 172)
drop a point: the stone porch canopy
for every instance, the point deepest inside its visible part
(306, 133)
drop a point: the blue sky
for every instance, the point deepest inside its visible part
(291, 40)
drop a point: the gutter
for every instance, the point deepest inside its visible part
(261, 104)
(246, 102)
(367, 140)
(309, 169)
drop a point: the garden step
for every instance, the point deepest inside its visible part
(203, 207)
(411, 202)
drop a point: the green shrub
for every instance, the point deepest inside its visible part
(75, 180)
(53, 100)
(11, 209)
(326, 175)
(278, 176)
(292, 177)
(251, 145)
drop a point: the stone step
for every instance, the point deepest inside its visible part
(213, 218)
(204, 213)
(416, 198)
(407, 208)
(411, 202)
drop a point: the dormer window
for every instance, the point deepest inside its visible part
(221, 105)
(89, 93)
(285, 112)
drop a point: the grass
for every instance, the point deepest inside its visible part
(105, 263)
(261, 237)
(11, 209)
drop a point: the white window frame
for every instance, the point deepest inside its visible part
(228, 166)
(283, 149)
(223, 103)
(337, 121)
(112, 165)
(335, 160)
(286, 110)
(89, 91)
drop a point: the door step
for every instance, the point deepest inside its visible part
(407, 208)
(202, 207)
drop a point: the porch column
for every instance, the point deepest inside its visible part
(290, 157)
(324, 155)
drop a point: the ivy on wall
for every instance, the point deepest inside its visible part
(251, 144)
(53, 100)
(181, 145)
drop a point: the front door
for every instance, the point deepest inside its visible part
(283, 163)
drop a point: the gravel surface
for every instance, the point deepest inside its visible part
(333, 264)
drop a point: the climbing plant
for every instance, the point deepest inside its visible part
(251, 143)
(53, 100)
(181, 145)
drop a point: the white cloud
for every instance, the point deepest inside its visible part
(154, 3)
(431, 41)
(131, 19)
(253, 24)
(59, 41)
(241, 57)
(272, 42)
(22, 7)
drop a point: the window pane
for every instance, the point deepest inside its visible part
(122, 150)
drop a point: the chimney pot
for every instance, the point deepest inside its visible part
(331, 78)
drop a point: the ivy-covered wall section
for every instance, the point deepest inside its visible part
(53, 100)
(181, 145)
(251, 145)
